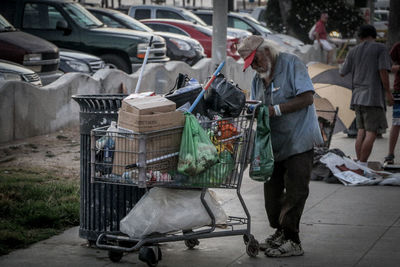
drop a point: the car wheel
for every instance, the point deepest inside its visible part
(116, 62)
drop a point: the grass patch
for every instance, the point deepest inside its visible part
(34, 205)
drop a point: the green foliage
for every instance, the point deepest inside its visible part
(34, 205)
(343, 17)
(273, 17)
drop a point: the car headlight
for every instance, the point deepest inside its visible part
(32, 57)
(10, 77)
(78, 66)
(182, 45)
(141, 50)
(198, 47)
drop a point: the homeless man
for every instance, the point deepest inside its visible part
(282, 82)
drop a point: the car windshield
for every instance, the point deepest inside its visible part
(250, 18)
(5, 25)
(133, 23)
(194, 18)
(81, 16)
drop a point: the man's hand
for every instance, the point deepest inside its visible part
(390, 99)
(271, 111)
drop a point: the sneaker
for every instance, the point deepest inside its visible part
(287, 249)
(389, 159)
(273, 241)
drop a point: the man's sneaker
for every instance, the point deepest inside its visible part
(287, 249)
(389, 159)
(273, 241)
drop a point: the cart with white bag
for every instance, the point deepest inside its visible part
(150, 160)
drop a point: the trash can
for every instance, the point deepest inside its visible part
(102, 206)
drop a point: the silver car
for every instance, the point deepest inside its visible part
(10, 71)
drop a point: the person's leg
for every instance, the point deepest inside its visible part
(374, 121)
(394, 135)
(359, 142)
(328, 47)
(367, 145)
(297, 189)
(329, 57)
(273, 192)
(296, 184)
(359, 110)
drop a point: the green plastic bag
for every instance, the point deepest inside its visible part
(197, 152)
(216, 175)
(262, 160)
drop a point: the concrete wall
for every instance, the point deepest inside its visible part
(27, 111)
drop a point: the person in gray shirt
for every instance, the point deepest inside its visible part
(369, 63)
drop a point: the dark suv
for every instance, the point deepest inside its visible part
(69, 25)
(30, 51)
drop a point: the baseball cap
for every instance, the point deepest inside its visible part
(248, 47)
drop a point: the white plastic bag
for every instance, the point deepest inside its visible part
(311, 33)
(163, 210)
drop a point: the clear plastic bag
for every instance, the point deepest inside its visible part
(164, 210)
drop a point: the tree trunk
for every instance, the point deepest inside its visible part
(285, 6)
(394, 23)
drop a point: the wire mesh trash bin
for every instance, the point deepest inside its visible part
(151, 160)
(102, 206)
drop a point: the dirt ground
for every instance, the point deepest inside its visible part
(58, 151)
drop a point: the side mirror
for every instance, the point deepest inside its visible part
(61, 25)
(253, 31)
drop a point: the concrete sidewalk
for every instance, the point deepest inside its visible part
(341, 226)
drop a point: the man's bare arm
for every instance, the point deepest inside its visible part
(385, 82)
(299, 102)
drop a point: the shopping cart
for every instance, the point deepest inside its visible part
(150, 160)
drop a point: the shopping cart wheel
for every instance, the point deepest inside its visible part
(115, 256)
(150, 255)
(252, 247)
(191, 243)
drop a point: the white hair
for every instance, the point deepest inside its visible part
(272, 47)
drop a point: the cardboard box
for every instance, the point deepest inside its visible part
(148, 105)
(148, 123)
(156, 145)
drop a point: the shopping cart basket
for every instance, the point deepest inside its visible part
(150, 160)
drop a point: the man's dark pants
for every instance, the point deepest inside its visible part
(286, 193)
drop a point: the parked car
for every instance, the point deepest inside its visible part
(30, 51)
(246, 22)
(381, 22)
(179, 47)
(259, 13)
(69, 25)
(75, 61)
(169, 12)
(10, 71)
(198, 32)
(163, 12)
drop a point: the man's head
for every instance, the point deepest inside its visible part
(258, 53)
(366, 31)
(324, 17)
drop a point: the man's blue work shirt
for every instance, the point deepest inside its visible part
(295, 132)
